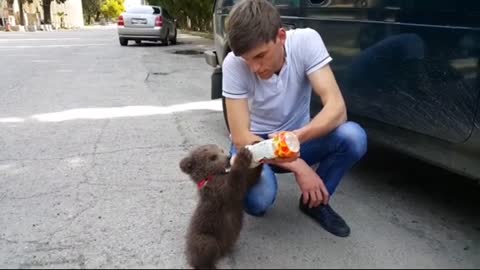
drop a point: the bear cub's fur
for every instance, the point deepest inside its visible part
(217, 220)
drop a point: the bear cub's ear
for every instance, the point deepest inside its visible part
(186, 165)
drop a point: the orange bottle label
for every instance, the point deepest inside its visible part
(281, 145)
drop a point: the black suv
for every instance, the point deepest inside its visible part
(408, 70)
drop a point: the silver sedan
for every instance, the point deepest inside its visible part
(152, 23)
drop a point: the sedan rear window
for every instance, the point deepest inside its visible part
(144, 10)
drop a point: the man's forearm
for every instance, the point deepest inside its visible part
(295, 166)
(333, 113)
(239, 120)
(245, 139)
(323, 123)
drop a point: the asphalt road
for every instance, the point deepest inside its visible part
(91, 134)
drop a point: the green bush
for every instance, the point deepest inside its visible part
(112, 9)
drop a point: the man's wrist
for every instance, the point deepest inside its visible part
(303, 133)
(245, 139)
(295, 166)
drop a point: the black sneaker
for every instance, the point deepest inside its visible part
(327, 218)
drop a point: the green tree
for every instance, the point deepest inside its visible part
(112, 8)
(91, 10)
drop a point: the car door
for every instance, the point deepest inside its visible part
(168, 21)
(407, 63)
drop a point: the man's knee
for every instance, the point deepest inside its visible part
(258, 204)
(261, 196)
(353, 139)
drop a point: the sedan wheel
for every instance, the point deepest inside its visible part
(123, 41)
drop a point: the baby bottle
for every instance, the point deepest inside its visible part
(284, 144)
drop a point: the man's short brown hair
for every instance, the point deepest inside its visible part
(251, 23)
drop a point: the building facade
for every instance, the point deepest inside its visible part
(65, 15)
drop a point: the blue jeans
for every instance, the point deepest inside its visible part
(335, 153)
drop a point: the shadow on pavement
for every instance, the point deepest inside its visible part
(413, 178)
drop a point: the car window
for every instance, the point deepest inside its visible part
(343, 3)
(318, 2)
(229, 3)
(440, 12)
(144, 10)
(286, 3)
(280, 3)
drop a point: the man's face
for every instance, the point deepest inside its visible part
(267, 58)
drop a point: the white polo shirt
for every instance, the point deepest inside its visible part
(281, 102)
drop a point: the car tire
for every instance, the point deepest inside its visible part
(216, 92)
(123, 41)
(174, 39)
(216, 81)
(166, 39)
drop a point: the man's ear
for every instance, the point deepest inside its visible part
(282, 35)
(186, 165)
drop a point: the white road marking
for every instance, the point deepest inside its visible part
(51, 46)
(36, 39)
(11, 120)
(117, 112)
(43, 61)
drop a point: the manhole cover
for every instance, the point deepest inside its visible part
(188, 52)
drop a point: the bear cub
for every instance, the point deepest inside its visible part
(217, 220)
